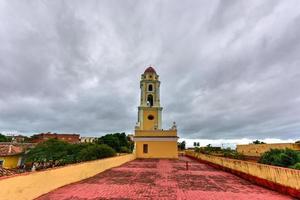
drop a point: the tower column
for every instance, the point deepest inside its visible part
(159, 119)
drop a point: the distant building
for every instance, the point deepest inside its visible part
(10, 156)
(70, 138)
(151, 141)
(257, 150)
(18, 138)
(88, 139)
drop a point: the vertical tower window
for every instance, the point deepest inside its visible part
(145, 148)
(150, 87)
(150, 100)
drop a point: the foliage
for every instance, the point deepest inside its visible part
(117, 141)
(4, 138)
(54, 152)
(124, 149)
(196, 144)
(296, 166)
(281, 157)
(258, 142)
(229, 153)
(218, 151)
(95, 151)
(210, 149)
(297, 142)
(181, 145)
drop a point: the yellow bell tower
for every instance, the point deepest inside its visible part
(151, 141)
(149, 111)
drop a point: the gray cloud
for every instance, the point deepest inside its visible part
(229, 69)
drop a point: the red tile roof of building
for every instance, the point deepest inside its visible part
(8, 150)
(6, 172)
(150, 70)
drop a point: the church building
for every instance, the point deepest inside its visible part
(151, 141)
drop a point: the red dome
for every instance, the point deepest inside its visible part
(150, 70)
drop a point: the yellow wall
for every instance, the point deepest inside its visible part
(258, 149)
(149, 124)
(10, 162)
(35, 184)
(158, 133)
(283, 176)
(157, 149)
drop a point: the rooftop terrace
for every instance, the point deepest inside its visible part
(163, 179)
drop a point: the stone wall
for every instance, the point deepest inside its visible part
(34, 184)
(280, 179)
(258, 149)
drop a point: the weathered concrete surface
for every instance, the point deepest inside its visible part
(163, 179)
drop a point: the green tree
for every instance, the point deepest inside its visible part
(258, 142)
(181, 145)
(281, 157)
(96, 151)
(111, 140)
(124, 149)
(52, 151)
(3, 138)
(117, 141)
(296, 166)
(55, 152)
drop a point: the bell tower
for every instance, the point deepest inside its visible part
(149, 111)
(150, 140)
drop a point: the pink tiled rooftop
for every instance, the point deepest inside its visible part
(163, 179)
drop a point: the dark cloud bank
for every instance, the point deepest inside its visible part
(229, 69)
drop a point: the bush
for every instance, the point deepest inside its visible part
(51, 151)
(258, 142)
(181, 145)
(54, 152)
(3, 138)
(296, 166)
(124, 149)
(117, 141)
(96, 151)
(280, 157)
(197, 149)
(233, 154)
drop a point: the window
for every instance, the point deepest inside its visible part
(1, 163)
(150, 88)
(150, 100)
(150, 117)
(145, 148)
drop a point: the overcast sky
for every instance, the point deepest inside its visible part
(228, 69)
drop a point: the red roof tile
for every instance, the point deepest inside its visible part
(150, 70)
(6, 172)
(9, 149)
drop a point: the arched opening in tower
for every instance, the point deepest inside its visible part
(150, 100)
(150, 88)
